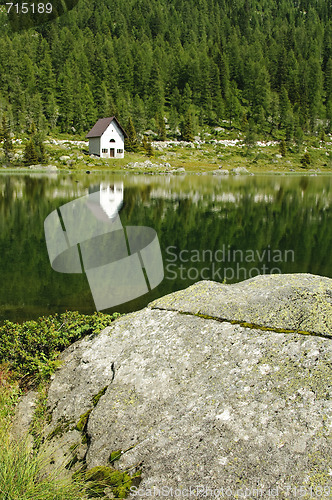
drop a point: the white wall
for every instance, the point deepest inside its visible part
(112, 132)
(94, 146)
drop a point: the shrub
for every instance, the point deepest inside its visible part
(306, 160)
(32, 348)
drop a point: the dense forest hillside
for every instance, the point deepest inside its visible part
(266, 64)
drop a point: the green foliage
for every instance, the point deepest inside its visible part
(282, 147)
(186, 128)
(270, 60)
(131, 140)
(34, 151)
(306, 160)
(161, 127)
(147, 147)
(115, 455)
(101, 477)
(250, 136)
(23, 473)
(32, 348)
(82, 423)
(5, 138)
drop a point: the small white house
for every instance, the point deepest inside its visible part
(106, 138)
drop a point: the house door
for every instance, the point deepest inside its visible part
(112, 152)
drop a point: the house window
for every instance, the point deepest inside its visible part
(112, 140)
(104, 150)
(119, 150)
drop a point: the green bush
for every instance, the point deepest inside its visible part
(306, 160)
(32, 348)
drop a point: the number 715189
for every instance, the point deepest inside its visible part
(25, 8)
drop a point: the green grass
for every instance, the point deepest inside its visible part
(28, 355)
(206, 158)
(23, 474)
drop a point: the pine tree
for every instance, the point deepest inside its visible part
(2, 129)
(186, 128)
(244, 123)
(250, 137)
(89, 109)
(282, 147)
(144, 143)
(306, 160)
(173, 120)
(131, 140)
(233, 106)
(30, 156)
(149, 149)
(34, 152)
(139, 115)
(161, 127)
(284, 107)
(6, 139)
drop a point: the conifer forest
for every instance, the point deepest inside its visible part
(262, 64)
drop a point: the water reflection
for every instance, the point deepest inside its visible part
(86, 235)
(188, 213)
(109, 201)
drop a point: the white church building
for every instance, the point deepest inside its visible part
(106, 138)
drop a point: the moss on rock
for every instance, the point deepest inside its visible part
(102, 477)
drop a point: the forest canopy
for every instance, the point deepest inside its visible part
(263, 62)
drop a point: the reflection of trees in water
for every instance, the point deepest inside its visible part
(34, 190)
(295, 215)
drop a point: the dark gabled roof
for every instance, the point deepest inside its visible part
(101, 125)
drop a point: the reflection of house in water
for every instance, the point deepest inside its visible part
(107, 201)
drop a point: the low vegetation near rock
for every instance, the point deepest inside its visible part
(32, 348)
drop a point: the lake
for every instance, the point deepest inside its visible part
(209, 227)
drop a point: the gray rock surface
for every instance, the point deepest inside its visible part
(201, 402)
(296, 302)
(23, 418)
(239, 170)
(220, 172)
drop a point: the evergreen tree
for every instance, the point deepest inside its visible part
(282, 147)
(5, 137)
(250, 137)
(244, 123)
(131, 140)
(30, 156)
(34, 151)
(173, 120)
(149, 150)
(217, 59)
(147, 147)
(233, 106)
(139, 115)
(89, 109)
(161, 127)
(284, 107)
(144, 143)
(186, 128)
(306, 160)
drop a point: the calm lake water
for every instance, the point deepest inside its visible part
(209, 227)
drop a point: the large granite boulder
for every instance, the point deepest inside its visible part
(214, 388)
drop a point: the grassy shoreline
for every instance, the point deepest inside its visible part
(208, 153)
